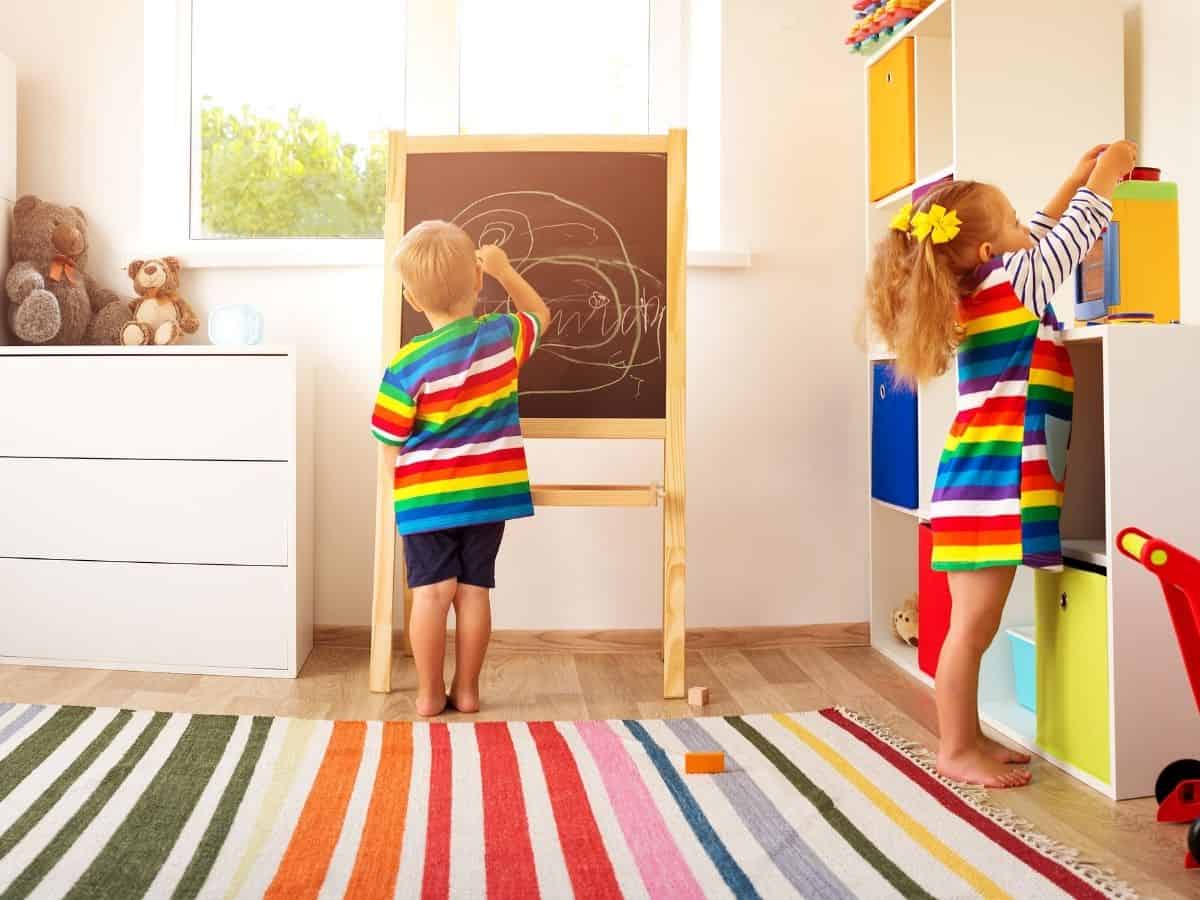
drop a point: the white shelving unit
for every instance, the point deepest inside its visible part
(984, 113)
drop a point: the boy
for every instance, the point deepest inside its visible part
(448, 403)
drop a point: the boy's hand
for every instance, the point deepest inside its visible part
(1083, 169)
(493, 260)
(1118, 159)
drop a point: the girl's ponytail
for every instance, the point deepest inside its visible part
(914, 286)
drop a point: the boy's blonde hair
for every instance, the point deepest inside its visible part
(913, 287)
(436, 262)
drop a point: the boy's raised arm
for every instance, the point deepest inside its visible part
(495, 263)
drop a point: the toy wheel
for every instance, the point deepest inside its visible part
(1194, 839)
(1172, 775)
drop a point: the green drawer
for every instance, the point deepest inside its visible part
(1072, 669)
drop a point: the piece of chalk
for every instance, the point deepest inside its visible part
(704, 763)
(698, 696)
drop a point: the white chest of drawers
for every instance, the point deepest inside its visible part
(156, 509)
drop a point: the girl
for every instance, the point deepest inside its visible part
(962, 277)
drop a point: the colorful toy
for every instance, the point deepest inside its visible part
(1177, 789)
(698, 696)
(1134, 268)
(877, 21)
(704, 763)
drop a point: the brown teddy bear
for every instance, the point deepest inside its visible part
(905, 621)
(52, 298)
(160, 315)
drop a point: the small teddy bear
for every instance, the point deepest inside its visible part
(904, 621)
(160, 315)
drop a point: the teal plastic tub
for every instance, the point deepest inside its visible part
(1024, 656)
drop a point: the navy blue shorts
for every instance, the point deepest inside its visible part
(468, 554)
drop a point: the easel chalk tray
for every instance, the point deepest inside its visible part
(598, 225)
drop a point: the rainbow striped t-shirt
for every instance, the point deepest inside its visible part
(449, 402)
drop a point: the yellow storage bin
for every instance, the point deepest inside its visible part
(890, 116)
(1072, 669)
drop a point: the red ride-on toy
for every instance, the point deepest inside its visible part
(1177, 789)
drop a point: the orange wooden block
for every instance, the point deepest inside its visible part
(704, 763)
(697, 696)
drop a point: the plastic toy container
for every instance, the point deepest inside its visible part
(1024, 656)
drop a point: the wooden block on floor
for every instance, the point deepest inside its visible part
(697, 696)
(704, 763)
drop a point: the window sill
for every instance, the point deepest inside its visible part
(335, 253)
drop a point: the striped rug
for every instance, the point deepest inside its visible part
(120, 803)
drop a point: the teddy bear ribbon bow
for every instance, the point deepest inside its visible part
(63, 265)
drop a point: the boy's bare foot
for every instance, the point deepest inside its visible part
(431, 706)
(1002, 754)
(463, 700)
(976, 767)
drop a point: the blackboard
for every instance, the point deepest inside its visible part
(589, 231)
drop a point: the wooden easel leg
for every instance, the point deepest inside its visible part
(674, 469)
(380, 676)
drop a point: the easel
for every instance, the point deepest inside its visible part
(670, 430)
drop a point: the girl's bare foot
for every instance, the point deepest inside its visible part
(1002, 754)
(465, 701)
(976, 767)
(431, 706)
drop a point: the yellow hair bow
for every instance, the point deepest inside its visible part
(900, 221)
(938, 224)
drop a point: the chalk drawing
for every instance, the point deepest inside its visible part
(607, 313)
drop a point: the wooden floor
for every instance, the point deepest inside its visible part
(597, 685)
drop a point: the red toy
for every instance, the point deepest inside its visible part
(1178, 787)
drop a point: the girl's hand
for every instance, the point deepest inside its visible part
(1114, 163)
(1118, 159)
(1083, 169)
(493, 260)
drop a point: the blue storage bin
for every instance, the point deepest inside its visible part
(1024, 656)
(893, 439)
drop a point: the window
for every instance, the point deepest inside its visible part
(281, 110)
(289, 112)
(549, 67)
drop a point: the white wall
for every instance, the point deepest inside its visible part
(1162, 113)
(776, 387)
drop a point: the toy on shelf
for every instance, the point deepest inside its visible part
(1132, 274)
(1178, 787)
(905, 621)
(235, 324)
(877, 21)
(160, 316)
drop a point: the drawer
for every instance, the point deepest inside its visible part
(148, 405)
(1072, 669)
(114, 614)
(893, 439)
(890, 112)
(933, 603)
(160, 511)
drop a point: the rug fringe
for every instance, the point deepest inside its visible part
(980, 799)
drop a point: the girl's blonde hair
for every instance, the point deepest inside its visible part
(914, 286)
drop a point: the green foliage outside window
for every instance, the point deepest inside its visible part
(260, 177)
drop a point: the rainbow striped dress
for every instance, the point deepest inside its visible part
(449, 401)
(999, 489)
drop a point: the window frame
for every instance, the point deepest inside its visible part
(171, 143)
